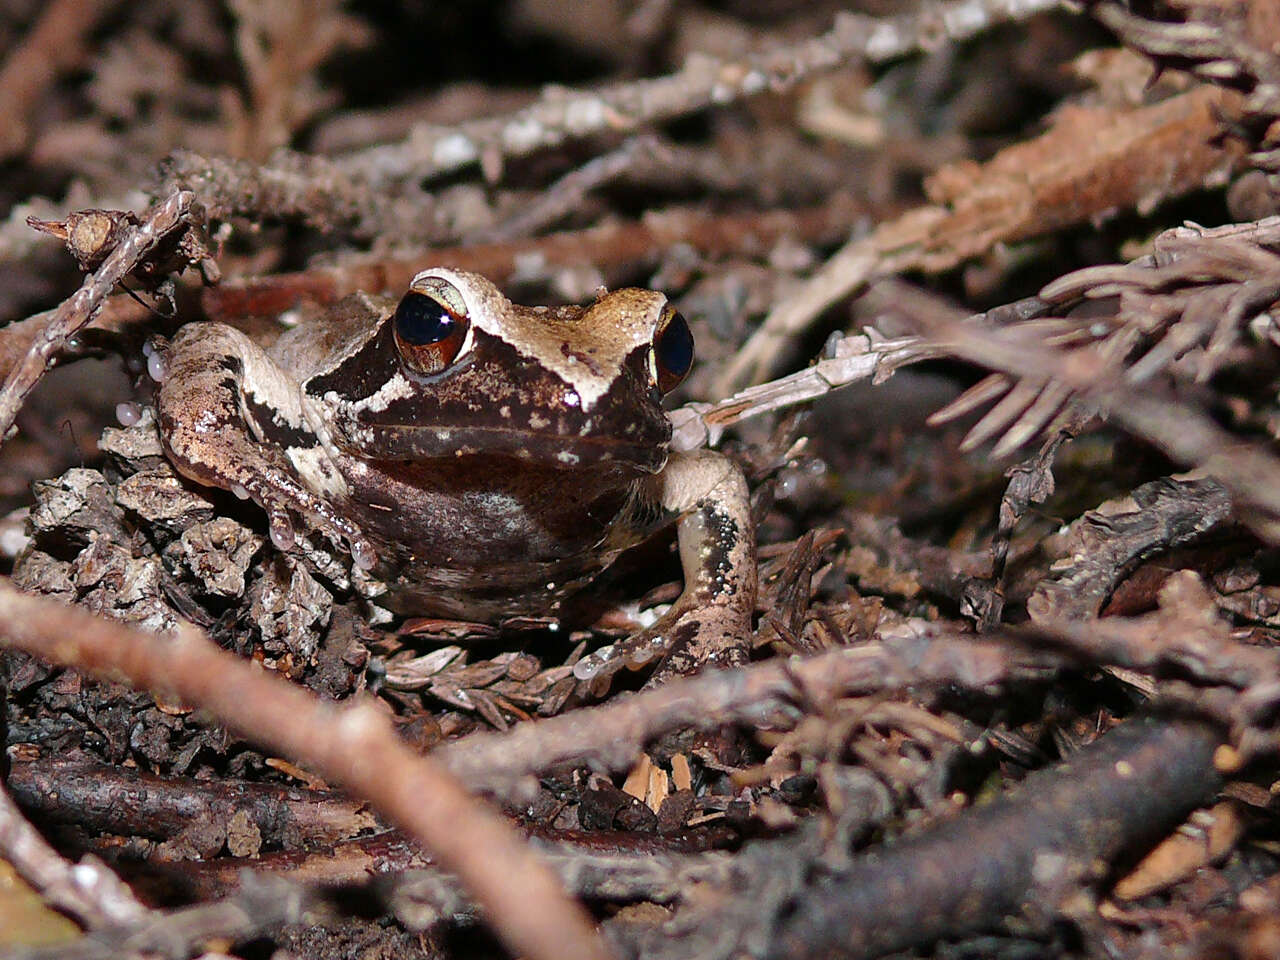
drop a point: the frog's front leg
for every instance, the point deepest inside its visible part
(230, 417)
(709, 625)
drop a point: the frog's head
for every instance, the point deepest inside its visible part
(456, 369)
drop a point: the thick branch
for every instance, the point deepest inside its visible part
(351, 745)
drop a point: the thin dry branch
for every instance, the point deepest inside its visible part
(608, 247)
(125, 801)
(355, 191)
(613, 735)
(262, 904)
(1090, 163)
(175, 213)
(704, 81)
(87, 891)
(1184, 433)
(352, 745)
(1057, 835)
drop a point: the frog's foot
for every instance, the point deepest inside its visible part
(688, 638)
(709, 626)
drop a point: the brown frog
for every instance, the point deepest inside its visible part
(484, 460)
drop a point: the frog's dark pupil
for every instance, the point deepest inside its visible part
(420, 320)
(675, 347)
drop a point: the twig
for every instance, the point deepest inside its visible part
(1250, 472)
(288, 186)
(560, 115)
(611, 248)
(77, 310)
(846, 361)
(354, 191)
(119, 316)
(257, 896)
(262, 904)
(129, 802)
(612, 736)
(280, 47)
(590, 863)
(351, 745)
(1185, 636)
(1091, 163)
(567, 193)
(90, 893)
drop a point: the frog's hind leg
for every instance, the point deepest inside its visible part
(220, 403)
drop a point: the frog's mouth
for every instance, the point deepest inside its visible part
(644, 451)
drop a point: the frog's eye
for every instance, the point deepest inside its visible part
(429, 333)
(672, 350)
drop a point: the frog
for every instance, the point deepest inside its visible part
(480, 460)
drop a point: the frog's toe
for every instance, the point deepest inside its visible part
(704, 638)
(363, 553)
(281, 528)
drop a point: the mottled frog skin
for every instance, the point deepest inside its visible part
(483, 459)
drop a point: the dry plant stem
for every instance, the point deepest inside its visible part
(560, 115)
(1027, 857)
(1185, 434)
(128, 802)
(54, 44)
(320, 836)
(288, 186)
(850, 359)
(567, 193)
(612, 736)
(118, 314)
(263, 903)
(1089, 164)
(1160, 644)
(651, 866)
(254, 897)
(845, 360)
(1228, 43)
(852, 268)
(88, 892)
(78, 309)
(351, 192)
(351, 745)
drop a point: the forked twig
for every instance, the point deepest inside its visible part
(175, 212)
